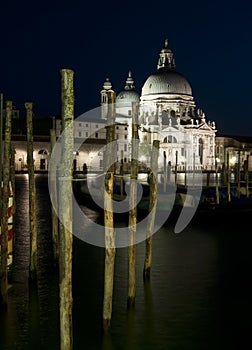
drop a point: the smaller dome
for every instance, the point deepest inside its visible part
(129, 94)
(124, 98)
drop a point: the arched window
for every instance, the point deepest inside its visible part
(201, 150)
(172, 114)
(170, 139)
(165, 120)
(42, 151)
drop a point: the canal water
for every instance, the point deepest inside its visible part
(198, 298)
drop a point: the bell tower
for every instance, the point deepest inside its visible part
(106, 94)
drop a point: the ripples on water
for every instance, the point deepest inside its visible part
(198, 296)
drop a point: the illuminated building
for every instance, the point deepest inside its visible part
(167, 113)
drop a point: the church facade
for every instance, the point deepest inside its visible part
(168, 113)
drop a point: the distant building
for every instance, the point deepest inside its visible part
(15, 113)
(90, 134)
(236, 148)
(41, 142)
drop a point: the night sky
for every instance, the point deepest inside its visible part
(211, 42)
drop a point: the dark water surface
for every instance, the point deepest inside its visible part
(199, 295)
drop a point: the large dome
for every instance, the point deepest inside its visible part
(166, 81)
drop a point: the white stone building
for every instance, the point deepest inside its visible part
(167, 113)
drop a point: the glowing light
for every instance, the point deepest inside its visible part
(232, 161)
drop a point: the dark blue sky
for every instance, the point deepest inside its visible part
(211, 42)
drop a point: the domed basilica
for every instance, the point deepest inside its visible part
(167, 112)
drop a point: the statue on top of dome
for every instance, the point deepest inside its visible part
(129, 82)
(166, 59)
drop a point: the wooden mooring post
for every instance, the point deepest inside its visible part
(239, 175)
(176, 168)
(121, 174)
(228, 179)
(12, 180)
(1, 138)
(65, 210)
(185, 180)
(32, 192)
(217, 196)
(247, 175)
(4, 205)
(208, 178)
(152, 209)
(165, 171)
(133, 208)
(110, 249)
(55, 221)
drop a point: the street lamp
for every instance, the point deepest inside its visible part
(91, 156)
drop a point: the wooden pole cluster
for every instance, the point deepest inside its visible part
(65, 211)
(152, 209)
(133, 208)
(5, 204)
(108, 216)
(32, 192)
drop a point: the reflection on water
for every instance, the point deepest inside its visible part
(198, 296)
(31, 321)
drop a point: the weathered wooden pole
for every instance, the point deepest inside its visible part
(239, 175)
(121, 175)
(12, 179)
(133, 208)
(247, 176)
(194, 169)
(108, 216)
(1, 137)
(224, 169)
(185, 180)
(55, 221)
(208, 178)
(65, 210)
(176, 168)
(216, 183)
(152, 209)
(4, 205)
(228, 179)
(32, 192)
(1, 156)
(165, 171)
(169, 170)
